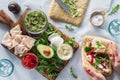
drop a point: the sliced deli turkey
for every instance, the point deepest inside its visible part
(14, 39)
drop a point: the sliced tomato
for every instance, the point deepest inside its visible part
(92, 58)
(90, 44)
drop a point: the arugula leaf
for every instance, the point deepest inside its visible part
(98, 44)
(114, 9)
(72, 73)
(59, 33)
(98, 60)
(107, 57)
(69, 27)
(87, 49)
(71, 41)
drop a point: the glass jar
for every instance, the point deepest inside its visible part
(36, 33)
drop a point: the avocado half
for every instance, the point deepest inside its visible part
(45, 51)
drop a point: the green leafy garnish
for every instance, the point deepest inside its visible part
(72, 73)
(69, 27)
(107, 57)
(98, 60)
(114, 9)
(87, 49)
(71, 41)
(99, 45)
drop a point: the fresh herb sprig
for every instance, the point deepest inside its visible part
(71, 41)
(87, 49)
(73, 73)
(69, 27)
(114, 9)
(99, 44)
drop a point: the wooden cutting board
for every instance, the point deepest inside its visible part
(20, 22)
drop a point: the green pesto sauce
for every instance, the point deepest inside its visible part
(35, 21)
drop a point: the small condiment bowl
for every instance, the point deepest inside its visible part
(102, 13)
(24, 58)
(38, 33)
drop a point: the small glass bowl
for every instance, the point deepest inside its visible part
(37, 34)
(114, 29)
(35, 59)
(6, 67)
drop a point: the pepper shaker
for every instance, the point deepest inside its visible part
(14, 7)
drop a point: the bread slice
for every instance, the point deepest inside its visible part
(86, 64)
(58, 13)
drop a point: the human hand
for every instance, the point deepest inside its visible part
(94, 75)
(115, 58)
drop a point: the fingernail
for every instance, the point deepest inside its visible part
(110, 42)
(110, 54)
(88, 70)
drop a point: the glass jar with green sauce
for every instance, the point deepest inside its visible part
(35, 22)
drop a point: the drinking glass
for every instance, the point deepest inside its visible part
(6, 67)
(114, 29)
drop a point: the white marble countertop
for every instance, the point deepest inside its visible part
(20, 73)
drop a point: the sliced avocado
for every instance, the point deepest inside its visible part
(45, 51)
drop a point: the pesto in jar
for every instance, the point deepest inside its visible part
(35, 21)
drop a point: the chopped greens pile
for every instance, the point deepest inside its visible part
(73, 7)
(52, 66)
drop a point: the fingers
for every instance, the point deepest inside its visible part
(94, 75)
(114, 50)
(112, 58)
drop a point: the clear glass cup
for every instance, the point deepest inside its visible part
(114, 29)
(6, 67)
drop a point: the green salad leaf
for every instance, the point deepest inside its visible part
(71, 41)
(99, 45)
(98, 60)
(73, 73)
(114, 9)
(87, 48)
(69, 27)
